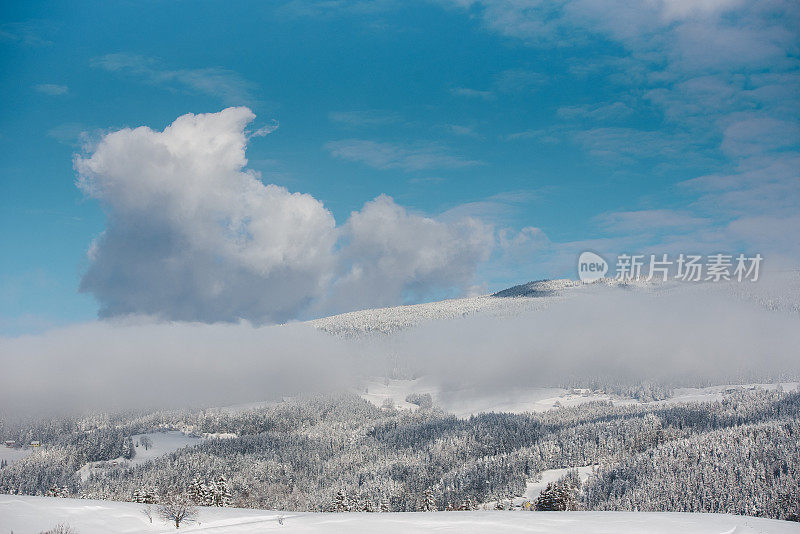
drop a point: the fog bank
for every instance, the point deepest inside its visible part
(683, 337)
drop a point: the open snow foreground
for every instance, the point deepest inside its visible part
(26, 514)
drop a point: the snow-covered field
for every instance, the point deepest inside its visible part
(533, 489)
(465, 403)
(12, 455)
(24, 514)
(162, 443)
(715, 393)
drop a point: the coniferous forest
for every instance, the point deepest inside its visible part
(737, 455)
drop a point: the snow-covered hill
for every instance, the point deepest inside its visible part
(161, 443)
(22, 515)
(509, 302)
(779, 292)
(561, 321)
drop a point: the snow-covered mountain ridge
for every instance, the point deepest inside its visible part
(780, 292)
(508, 302)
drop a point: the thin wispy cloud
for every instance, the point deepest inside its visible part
(721, 74)
(597, 112)
(52, 89)
(544, 135)
(367, 118)
(463, 131)
(69, 133)
(617, 145)
(760, 185)
(336, 8)
(383, 155)
(498, 209)
(472, 93)
(645, 220)
(25, 33)
(519, 80)
(223, 83)
(509, 81)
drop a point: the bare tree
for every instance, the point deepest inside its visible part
(146, 442)
(148, 511)
(177, 509)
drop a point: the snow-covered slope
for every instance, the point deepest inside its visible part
(778, 292)
(390, 320)
(162, 443)
(512, 301)
(12, 455)
(464, 403)
(533, 489)
(34, 514)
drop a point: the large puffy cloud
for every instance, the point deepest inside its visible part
(193, 235)
(391, 255)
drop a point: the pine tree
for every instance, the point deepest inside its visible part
(208, 494)
(557, 497)
(128, 449)
(149, 496)
(428, 501)
(340, 503)
(549, 499)
(222, 495)
(196, 491)
(56, 491)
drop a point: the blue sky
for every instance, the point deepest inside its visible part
(554, 127)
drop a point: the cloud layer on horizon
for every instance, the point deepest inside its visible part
(691, 335)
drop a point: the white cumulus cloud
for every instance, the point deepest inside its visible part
(391, 255)
(193, 235)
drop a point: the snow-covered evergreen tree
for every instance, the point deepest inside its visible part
(428, 501)
(340, 502)
(221, 493)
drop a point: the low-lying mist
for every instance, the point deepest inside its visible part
(116, 365)
(680, 337)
